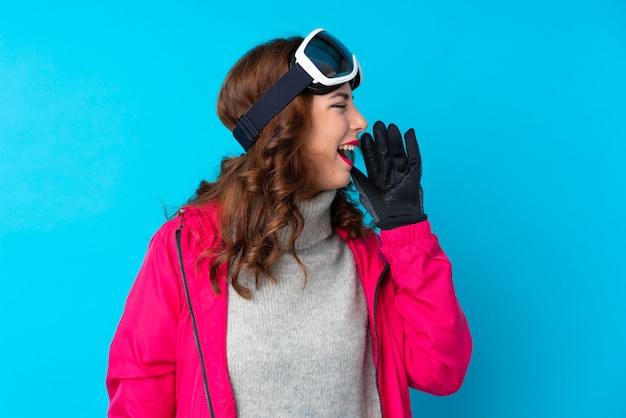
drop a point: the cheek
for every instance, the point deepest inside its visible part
(319, 143)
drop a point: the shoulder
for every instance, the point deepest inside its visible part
(367, 244)
(198, 226)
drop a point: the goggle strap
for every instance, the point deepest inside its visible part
(274, 100)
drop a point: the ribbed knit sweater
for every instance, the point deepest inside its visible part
(301, 348)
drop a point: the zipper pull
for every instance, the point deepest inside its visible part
(181, 213)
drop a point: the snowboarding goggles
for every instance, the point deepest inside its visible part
(320, 65)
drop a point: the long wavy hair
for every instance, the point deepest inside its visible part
(257, 192)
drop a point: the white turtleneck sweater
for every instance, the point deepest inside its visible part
(303, 349)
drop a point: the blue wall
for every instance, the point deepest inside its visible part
(107, 113)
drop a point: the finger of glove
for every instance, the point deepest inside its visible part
(358, 177)
(370, 155)
(396, 149)
(382, 148)
(369, 195)
(413, 151)
(365, 185)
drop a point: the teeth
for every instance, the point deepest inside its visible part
(346, 147)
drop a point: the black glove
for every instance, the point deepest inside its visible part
(392, 194)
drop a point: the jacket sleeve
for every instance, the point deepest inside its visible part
(436, 337)
(142, 358)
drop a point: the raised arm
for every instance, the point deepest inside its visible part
(436, 340)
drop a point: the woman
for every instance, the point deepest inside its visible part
(267, 295)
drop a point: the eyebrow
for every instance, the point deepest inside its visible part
(340, 94)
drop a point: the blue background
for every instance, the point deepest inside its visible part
(107, 114)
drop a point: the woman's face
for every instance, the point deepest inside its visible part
(335, 124)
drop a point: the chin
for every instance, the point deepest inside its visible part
(333, 186)
(341, 185)
(338, 180)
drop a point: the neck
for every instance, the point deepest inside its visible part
(317, 226)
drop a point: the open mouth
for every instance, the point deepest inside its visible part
(346, 152)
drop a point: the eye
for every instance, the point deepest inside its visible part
(340, 105)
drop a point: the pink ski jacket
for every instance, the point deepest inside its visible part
(420, 337)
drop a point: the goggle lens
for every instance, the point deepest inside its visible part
(329, 55)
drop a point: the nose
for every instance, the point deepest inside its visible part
(358, 122)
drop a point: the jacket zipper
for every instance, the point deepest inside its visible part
(377, 365)
(193, 318)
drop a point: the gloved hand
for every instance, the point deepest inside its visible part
(391, 192)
